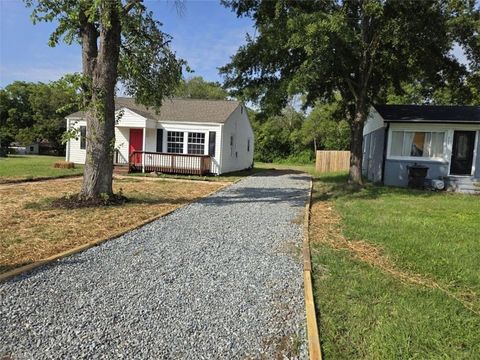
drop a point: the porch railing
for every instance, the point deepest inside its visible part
(170, 163)
(119, 159)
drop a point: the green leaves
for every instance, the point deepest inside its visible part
(197, 88)
(148, 68)
(356, 48)
(31, 112)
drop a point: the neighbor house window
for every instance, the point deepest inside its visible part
(83, 137)
(248, 145)
(196, 143)
(175, 142)
(231, 145)
(417, 144)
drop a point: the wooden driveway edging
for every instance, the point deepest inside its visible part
(314, 349)
(27, 268)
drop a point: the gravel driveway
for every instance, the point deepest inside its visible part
(218, 279)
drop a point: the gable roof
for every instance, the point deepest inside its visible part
(429, 113)
(178, 110)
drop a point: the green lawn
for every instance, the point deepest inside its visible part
(366, 312)
(31, 167)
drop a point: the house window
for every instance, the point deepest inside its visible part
(248, 145)
(417, 144)
(196, 143)
(175, 142)
(83, 137)
(231, 145)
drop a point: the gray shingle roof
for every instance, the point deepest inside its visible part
(429, 113)
(179, 110)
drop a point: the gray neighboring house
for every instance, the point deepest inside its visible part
(446, 139)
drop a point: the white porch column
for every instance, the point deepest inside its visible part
(143, 148)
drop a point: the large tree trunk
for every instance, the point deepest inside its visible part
(101, 71)
(356, 149)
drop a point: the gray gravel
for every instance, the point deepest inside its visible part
(218, 279)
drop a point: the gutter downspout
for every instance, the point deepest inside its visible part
(385, 147)
(144, 135)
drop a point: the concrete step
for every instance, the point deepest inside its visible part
(464, 184)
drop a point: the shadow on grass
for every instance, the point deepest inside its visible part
(336, 186)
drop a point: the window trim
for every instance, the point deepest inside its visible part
(182, 142)
(442, 159)
(193, 143)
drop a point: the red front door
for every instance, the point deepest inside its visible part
(136, 144)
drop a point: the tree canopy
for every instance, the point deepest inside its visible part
(358, 49)
(32, 112)
(198, 88)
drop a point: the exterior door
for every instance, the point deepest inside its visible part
(136, 144)
(462, 152)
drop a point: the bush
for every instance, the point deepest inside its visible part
(302, 158)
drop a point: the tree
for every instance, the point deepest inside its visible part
(15, 112)
(120, 41)
(197, 88)
(31, 112)
(358, 48)
(279, 137)
(326, 128)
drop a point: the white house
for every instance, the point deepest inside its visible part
(185, 136)
(445, 140)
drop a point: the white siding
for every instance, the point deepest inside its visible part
(131, 119)
(122, 137)
(150, 140)
(74, 153)
(237, 157)
(374, 122)
(199, 128)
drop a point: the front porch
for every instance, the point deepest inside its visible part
(145, 161)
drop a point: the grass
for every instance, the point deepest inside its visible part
(396, 272)
(302, 168)
(32, 230)
(32, 167)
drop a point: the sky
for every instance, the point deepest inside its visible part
(205, 34)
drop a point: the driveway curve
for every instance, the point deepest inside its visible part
(220, 278)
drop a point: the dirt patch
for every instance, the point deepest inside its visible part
(325, 229)
(76, 202)
(33, 229)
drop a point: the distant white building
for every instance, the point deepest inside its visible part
(186, 136)
(30, 149)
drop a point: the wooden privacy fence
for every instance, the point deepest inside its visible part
(332, 161)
